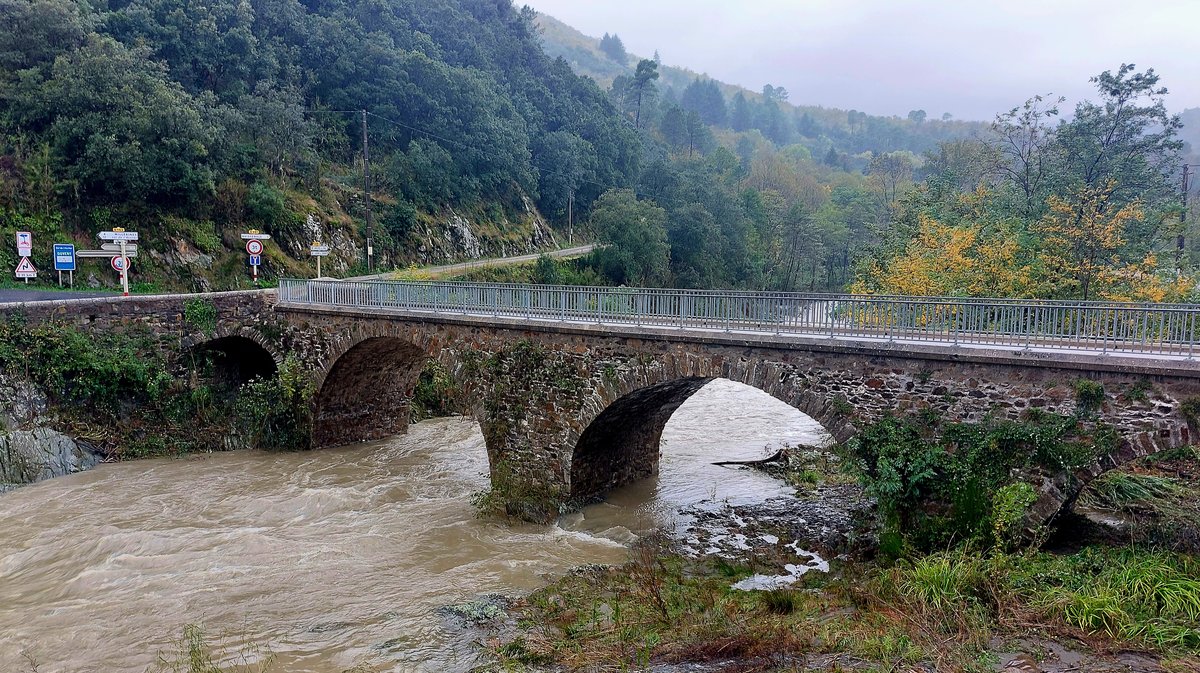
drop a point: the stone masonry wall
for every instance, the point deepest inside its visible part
(541, 392)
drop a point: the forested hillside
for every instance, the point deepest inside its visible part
(1042, 202)
(194, 121)
(782, 116)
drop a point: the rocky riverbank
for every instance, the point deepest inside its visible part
(31, 448)
(789, 585)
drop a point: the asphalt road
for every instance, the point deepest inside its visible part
(8, 295)
(461, 267)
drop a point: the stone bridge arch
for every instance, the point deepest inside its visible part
(364, 386)
(620, 436)
(237, 353)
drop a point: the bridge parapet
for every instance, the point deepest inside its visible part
(1170, 331)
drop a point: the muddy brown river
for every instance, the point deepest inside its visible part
(330, 558)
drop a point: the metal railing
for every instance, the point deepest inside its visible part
(1172, 329)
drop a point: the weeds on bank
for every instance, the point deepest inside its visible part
(942, 609)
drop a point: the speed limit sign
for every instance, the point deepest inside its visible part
(254, 247)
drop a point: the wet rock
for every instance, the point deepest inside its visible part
(27, 456)
(21, 402)
(482, 610)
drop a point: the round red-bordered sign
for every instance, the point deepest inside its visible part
(117, 264)
(254, 247)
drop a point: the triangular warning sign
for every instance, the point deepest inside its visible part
(25, 268)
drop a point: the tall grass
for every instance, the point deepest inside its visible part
(195, 653)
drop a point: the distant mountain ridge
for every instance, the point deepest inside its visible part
(849, 131)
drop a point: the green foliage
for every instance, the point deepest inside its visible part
(201, 314)
(942, 483)
(1089, 394)
(434, 393)
(1135, 595)
(98, 372)
(276, 413)
(1009, 505)
(637, 253)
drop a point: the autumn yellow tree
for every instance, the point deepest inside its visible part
(967, 260)
(1081, 240)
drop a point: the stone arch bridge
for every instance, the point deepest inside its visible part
(572, 406)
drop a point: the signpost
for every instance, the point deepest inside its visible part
(318, 250)
(25, 269)
(122, 239)
(24, 250)
(64, 260)
(254, 247)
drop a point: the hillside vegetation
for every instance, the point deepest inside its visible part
(194, 122)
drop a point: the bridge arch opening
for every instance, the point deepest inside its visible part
(236, 360)
(367, 392)
(704, 420)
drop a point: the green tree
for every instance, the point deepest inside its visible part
(641, 87)
(614, 48)
(635, 233)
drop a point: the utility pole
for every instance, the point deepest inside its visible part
(367, 187)
(1183, 212)
(571, 221)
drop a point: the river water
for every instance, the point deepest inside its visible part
(332, 558)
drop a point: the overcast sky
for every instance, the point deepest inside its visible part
(971, 58)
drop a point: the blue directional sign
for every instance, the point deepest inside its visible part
(64, 257)
(255, 260)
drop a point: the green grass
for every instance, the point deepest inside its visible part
(946, 608)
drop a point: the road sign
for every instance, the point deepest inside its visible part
(25, 269)
(81, 254)
(118, 236)
(118, 263)
(318, 250)
(64, 257)
(255, 260)
(254, 247)
(130, 248)
(256, 237)
(24, 244)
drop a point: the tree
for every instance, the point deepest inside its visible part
(742, 118)
(614, 48)
(1127, 141)
(890, 172)
(674, 127)
(1025, 141)
(641, 87)
(699, 138)
(916, 116)
(1081, 241)
(704, 97)
(774, 93)
(635, 231)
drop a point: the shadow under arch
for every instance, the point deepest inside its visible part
(237, 359)
(367, 391)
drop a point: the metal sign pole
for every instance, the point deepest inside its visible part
(124, 271)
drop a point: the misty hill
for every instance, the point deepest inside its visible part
(818, 128)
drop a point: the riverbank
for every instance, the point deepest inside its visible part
(773, 588)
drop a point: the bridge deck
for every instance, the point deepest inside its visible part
(866, 344)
